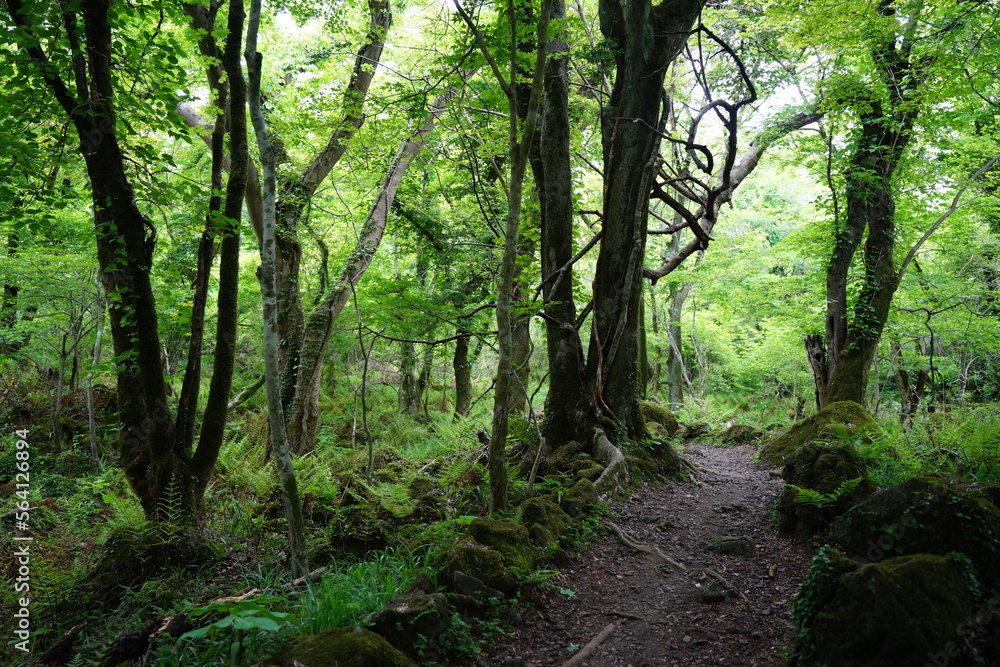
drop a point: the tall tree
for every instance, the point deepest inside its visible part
(167, 473)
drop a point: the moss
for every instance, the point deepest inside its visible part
(695, 430)
(579, 498)
(511, 540)
(421, 485)
(663, 418)
(933, 514)
(739, 434)
(561, 459)
(410, 620)
(850, 417)
(588, 469)
(823, 468)
(133, 555)
(881, 615)
(342, 647)
(547, 514)
(479, 561)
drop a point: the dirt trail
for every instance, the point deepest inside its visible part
(663, 618)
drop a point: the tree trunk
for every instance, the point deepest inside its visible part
(842, 362)
(553, 177)
(409, 397)
(303, 417)
(169, 480)
(463, 377)
(648, 39)
(675, 356)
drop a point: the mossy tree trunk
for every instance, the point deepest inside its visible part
(842, 359)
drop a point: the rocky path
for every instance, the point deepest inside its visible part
(722, 602)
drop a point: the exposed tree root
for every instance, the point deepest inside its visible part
(644, 548)
(716, 575)
(593, 644)
(615, 473)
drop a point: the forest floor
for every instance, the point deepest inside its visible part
(656, 612)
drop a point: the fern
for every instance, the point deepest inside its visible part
(821, 500)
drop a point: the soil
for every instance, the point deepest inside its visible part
(661, 616)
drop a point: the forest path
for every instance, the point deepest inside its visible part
(663, 617)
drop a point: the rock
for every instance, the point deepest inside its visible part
(342, 647)
(472, 587)
(510, 539)
(897, 612)
(561, 459)
(824, 468)
(716, 591)
(935, 514)
(695, 430)
(580, 497)
(420, 486)
(659, 415)
(848, 417)
(414, 620)
(657, 430)
(739, 434)
(478, 561)
(733, 546)
(667, 460)
(547, 515)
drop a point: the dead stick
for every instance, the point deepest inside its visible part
(645, 548)
(593, 644)
(623, 614)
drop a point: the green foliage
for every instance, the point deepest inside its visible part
(349, 592)
(820, 500)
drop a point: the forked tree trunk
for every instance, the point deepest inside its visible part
(168, 478)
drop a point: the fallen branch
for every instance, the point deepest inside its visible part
(645, 548)
(623, 614)
(592, 645)
(311, 578)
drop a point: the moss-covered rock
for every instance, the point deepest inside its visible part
(135, 554)
(740, 434)
(342, 647)
(479, 561)
(897, 612)
(586, 468)
(413, 621)
(579, 498)
(695, 430)
(561, 459)
(935, 514)
(849, 418)
(510, 539)
(827, 469)
(663, 454)
(420, 486)
(546, 514)
(659, 415)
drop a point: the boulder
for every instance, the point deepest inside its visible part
(835, 472)
(579, 498)
(477, 561)
(837, 421)
(695, 430)
(739, 434)
(510, 539)
(935, 514)
(413, 621)
(342, 647)
(547, 515)
(659, 415)
(898, 612)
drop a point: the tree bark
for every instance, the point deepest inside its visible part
(648, 39)
(303, 417)
(463, 377)
(884, 131)
(553, 178)
(168, 479)
(269, 300)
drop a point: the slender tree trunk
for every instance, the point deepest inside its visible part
(553, 177)
(409, 397)
(463, 377)
(269, 298)
(675, 356)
